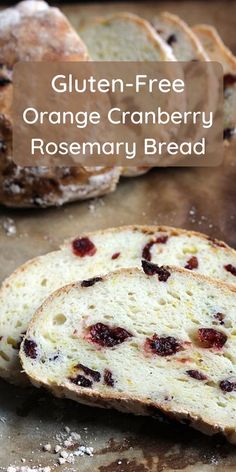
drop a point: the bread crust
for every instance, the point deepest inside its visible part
(33, 31)
(174, 20)
(124, 402)
(212, 34)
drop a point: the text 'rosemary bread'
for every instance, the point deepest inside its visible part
(93, 255)
(160, 341)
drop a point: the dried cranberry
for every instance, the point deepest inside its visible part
(83, 247)
(192, 263)
(195, 374)
(146, 250)
(163, 346)
(172, 39)
(211, 338)
(152, 269)
(81, 381)
(220, 317)
(90, 282)
(107, 337)
(30, 348)
(227, 386)
(230, 268)
(229, 133)
(108, 379)
(229, 79)
(115, 255)
(146, 254)
(96, 376)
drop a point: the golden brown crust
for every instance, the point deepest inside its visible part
(211, 33)
(34, 31)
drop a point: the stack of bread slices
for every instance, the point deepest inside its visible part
(33, 31)
(139, 318)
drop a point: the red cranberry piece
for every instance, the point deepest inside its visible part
(146, 254)
(195, 374)
(220, 317)
(192, 263)
(211, 338)
(108, 379)
(30, 348)
(107, 337)
(83, 247)
(229, 79)
(81, 381)
(96, 376)
(172, 39)
(227, 386)
(90, 282)
(147, 249)
(230, 268)
(163, 346)
(152, 269)
(115, 255)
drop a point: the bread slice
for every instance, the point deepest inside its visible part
(124, 37)
(179, 36)
(93, 255)
(217, 51)
(33, 31)
(146, 344)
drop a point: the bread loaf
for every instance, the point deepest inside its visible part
(159, 343)
(96, 254)
(32, 31)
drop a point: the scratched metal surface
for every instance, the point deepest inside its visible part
(199, 199)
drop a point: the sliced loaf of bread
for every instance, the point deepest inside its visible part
(155, 343)
(217, 51)
(96, 254)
